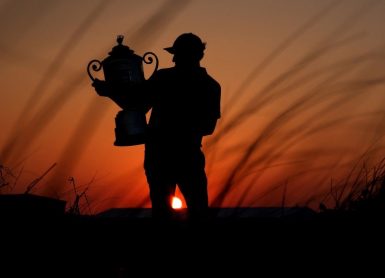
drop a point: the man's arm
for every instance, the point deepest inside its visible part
(103, 89)
(213, 111)
(134, 96)
(209, 127)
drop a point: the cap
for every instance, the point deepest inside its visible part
(187, 43)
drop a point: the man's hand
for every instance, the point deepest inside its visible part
(101, 87)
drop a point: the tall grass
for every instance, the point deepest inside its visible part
(363, 191)
(308, 96)
(316, 93)
(31, 123)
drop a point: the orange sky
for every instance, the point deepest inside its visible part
(302, 94)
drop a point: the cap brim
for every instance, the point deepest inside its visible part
(170, 50)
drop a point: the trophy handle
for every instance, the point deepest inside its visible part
(96, 65)
(148, 58)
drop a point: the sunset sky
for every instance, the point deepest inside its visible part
(303, 95)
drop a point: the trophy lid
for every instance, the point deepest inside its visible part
(120, 50)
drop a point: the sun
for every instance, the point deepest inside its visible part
(176, 203)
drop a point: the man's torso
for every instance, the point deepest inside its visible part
(181, 100)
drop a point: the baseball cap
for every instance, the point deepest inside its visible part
(187, 43)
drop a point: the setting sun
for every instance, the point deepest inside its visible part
(176, 203)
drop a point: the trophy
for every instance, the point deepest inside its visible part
(122, 69)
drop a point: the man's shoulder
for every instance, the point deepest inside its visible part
(172, 73)
(162, 74)
(214, 82)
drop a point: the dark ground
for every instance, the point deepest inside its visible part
(120, 242)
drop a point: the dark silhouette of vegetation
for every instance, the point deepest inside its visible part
(38, 179)
(308, 80)
(328, 84)
(362, 193)
(6, 175)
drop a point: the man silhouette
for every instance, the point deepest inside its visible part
(185, 103)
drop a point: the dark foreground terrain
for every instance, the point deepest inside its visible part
(121, 242)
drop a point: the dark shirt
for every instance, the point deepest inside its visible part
(185, 106)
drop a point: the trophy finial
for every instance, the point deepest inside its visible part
(120, 39)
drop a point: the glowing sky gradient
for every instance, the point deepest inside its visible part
(302, 81)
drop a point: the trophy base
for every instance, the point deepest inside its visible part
(130, 128)
(130, 140)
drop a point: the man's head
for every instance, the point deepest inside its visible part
(188, 49)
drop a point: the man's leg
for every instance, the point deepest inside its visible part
(192, 182)
(161, 184)
(161, 193)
